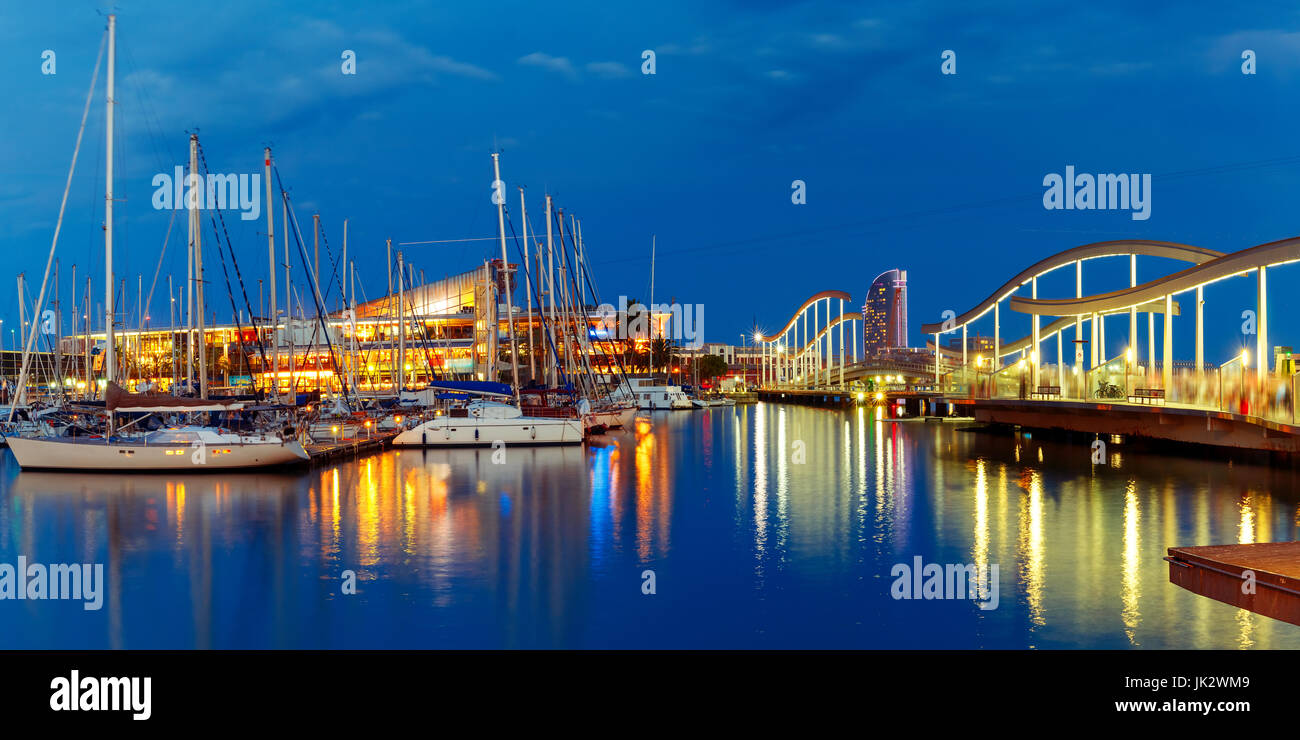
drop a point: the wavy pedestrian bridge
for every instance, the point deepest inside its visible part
(1059, 376)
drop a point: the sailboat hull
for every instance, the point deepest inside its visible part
(611, 418)
(480, 432)
(90, 454)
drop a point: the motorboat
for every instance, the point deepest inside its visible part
(652, 396)
(484, 423)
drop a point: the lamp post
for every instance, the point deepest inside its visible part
(1128, 359)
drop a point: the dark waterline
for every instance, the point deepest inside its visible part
(750, 547)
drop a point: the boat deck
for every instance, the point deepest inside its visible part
(325, 451)
(1221, 572)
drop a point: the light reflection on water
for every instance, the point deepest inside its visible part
(765, 525)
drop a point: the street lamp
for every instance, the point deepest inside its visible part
(1128, 360)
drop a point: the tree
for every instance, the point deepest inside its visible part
(662, 351)
(712, 366)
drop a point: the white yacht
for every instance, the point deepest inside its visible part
(171, 448)
(175, 448)
(650, 395)
(480, 423)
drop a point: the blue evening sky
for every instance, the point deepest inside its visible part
(905, 167)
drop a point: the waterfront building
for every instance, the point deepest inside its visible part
(447, 334)
(884, 316)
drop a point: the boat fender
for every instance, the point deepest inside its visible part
(534, 431)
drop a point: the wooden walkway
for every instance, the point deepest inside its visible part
(1222, 572)
(326, 451)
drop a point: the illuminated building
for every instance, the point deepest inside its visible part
(884, 317)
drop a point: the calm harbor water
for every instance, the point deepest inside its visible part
(766, 526)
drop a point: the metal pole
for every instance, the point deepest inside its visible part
(509, 280)
(201, 337)
(401, 325)
(110, 359)
(273, 382)
(528, 288)
(550, 292)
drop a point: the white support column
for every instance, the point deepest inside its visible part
(1167, 371)
(1261, 327)
(792, 336)
(843, 359)
(1151, 340)
(1078, 320)
(997, 337)
(1133, 311)
(1060, 365)
(1200, 330)
(803, 357)
(1101, 338)
(814, 373)
(964, 361)
(1092, 330)
(1038, 355)
(936, 360)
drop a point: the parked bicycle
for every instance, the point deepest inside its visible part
(1108, 390)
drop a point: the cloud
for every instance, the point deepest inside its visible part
(608, 70)
(387, 65)
(562, 65)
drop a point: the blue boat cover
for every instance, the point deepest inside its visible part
(481, 387)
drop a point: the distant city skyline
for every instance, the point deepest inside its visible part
(939, 174)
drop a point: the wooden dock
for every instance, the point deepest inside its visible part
(348, 448)
(1223, 573)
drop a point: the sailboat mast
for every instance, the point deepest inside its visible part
(197, 245)
(110, 362)
(171, 300)
(528, 288)
(274, 386)
(651, 307)
(505, 268)
(550, 292)
(86, 346)
(348, 359)
(401, 325)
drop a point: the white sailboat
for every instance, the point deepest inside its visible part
(482, 423)
(187, 447)
(175, 448)
(172, 448)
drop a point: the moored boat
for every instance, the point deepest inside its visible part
(483, 423)
(175, 448)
